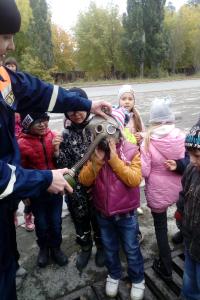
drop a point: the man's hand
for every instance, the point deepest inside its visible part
(171, 165)
(100, 107)
(59, 185)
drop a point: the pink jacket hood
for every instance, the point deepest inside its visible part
(169, 141)
(162, 186)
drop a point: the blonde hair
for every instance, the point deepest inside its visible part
(136, 119)
(148, 133)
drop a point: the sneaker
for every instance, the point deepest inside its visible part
(159, 268)
(21, 272)
(112, 286)
(59, 257)
(140, 211)
(43, 257)
(29, 224)
(177, 238)
(137, 291)
(83, 259)
(100, 257)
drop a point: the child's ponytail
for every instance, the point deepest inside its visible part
(137, 120)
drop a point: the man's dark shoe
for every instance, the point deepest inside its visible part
(159, 268)
(83, 258)
(177, 238)
(43, 257)
(100, 257)
(59, 257)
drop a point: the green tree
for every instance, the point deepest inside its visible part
(155, 47)
(134, 36)
(63, 49)
(175, 38)
(40, 33)
(193, 2)
(190, 16)
(21, 39)
(98, 41)
(170, 7)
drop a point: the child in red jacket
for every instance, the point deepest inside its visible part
(37, 152)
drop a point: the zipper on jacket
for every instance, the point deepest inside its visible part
(45, 152)
(107, 187)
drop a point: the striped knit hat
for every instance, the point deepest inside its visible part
(119, 115)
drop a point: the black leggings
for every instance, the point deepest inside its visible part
(160, 224)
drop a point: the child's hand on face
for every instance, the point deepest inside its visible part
(112, 146)
(56, 143)
(170, 165)
(99, 154)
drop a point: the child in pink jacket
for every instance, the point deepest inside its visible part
(163, 141)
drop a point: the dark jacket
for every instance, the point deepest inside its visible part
(75, 143)
(188, 206)
(182, 163)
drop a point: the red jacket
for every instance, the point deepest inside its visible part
(37, 152)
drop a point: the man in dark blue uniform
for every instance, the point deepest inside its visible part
(23, 93)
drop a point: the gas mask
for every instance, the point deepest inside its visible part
(101, 129)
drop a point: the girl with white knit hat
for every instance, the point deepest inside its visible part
(135, 126)
(134, 129)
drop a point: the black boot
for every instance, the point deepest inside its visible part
(100, 257)
(58, 256)
(43, 257)
(160, 269)
(83, 258)
(177, 238)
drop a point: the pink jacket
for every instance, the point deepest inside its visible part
(162, 186)
(111, 195)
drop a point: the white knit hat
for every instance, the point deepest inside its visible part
(160, 111)
(125, 89)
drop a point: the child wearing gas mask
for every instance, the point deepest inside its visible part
(114, 173)
(70, 149)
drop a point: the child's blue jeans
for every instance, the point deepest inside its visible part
(122, 228)
(191, 278)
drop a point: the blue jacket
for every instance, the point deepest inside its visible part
(20, 92)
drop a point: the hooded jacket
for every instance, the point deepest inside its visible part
(188, 206)
(37, 152)
(116, 181)
(76, 140)
(162, 186)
